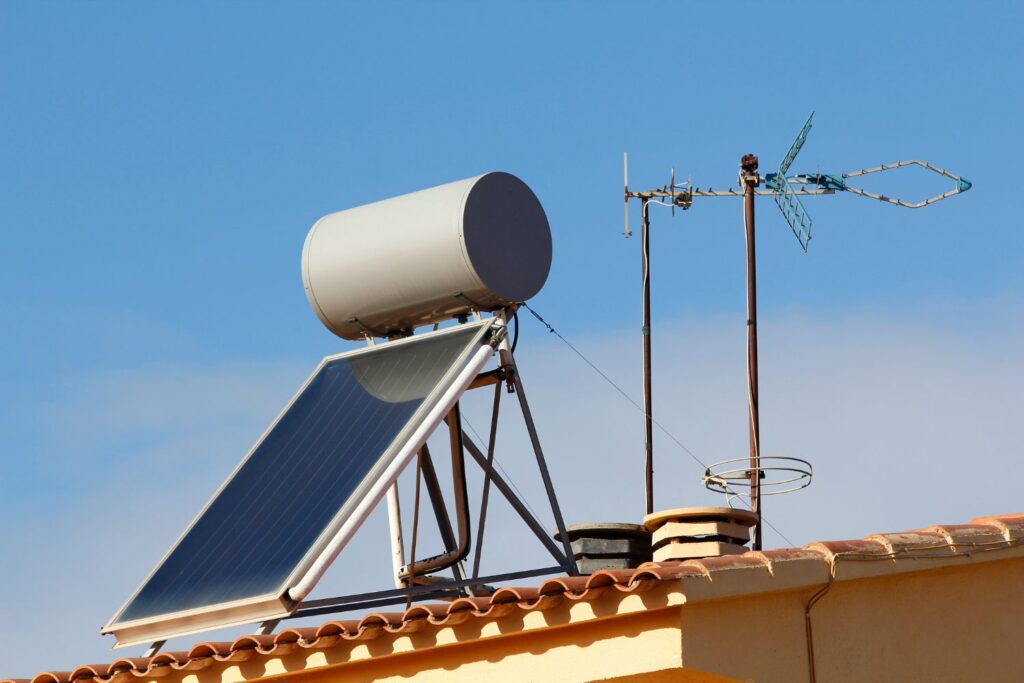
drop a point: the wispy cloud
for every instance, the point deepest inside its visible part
(177, 416)
(902, 419)
(907, 422)
(127, 459)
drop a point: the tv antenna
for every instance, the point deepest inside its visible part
(762, 475)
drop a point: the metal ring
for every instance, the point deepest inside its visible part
(791, 474)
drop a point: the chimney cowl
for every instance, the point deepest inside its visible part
(692, 533)
(608, 545)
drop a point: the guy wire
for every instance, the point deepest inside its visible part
(636, 405)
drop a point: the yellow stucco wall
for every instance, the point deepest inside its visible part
(958, 621)
(949, 624)
(574, 641)
(594, 650)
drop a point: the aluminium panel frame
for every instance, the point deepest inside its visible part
(279, 604)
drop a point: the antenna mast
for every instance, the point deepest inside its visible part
(646, 332)
(749, 180)
(751, 482)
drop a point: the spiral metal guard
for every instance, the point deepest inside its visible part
(778, 475)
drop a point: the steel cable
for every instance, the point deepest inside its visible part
(636, 405)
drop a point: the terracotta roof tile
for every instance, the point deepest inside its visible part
(787, 555)
(338, 628)
(860, 547)
(218, 650)
(913, 540)
(718, 576)
(1011, 525)
(667, 571)
(296, 635)
(969, 535)
(731, 562)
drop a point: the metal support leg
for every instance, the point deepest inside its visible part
(506, 490)
(267, 627)
(487, 481)
(543, 467)
(444, 522)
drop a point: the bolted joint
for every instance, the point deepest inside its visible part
(683, 199)
(510, 378)
(748, 171)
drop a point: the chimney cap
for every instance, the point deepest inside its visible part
(700, 514)
(600, 529)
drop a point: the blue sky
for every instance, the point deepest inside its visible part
(160, 165)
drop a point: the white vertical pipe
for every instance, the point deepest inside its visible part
(397, 544)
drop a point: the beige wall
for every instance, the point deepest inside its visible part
(950, 624)
(596, 650)
(959, 622)
(618, 636)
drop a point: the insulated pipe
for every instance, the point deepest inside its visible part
(444, 406)
(395, 526)
(457, 550)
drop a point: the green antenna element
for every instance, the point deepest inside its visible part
(797, 145)
(785, 197)
(792, 210)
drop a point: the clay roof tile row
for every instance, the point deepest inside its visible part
(982, 533)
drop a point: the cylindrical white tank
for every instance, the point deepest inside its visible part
(480, 243)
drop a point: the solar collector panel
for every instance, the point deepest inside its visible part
(285, 499)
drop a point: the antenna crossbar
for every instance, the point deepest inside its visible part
(809, 184)
(681, 197)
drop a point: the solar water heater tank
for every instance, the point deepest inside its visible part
(380, 269)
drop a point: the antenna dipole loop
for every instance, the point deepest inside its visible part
(962, 184)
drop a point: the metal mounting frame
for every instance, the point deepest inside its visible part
(397, 596)
(506, 374)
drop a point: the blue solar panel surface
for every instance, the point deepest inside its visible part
(270, 513)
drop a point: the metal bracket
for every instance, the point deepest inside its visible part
(267, 627)
(448, 589)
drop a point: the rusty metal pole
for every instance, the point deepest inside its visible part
(749, 179)
(646, 331)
